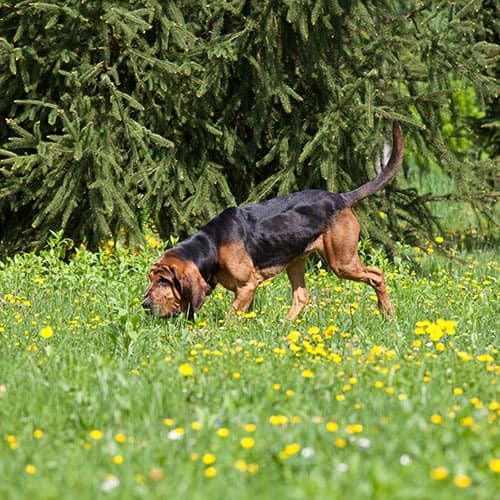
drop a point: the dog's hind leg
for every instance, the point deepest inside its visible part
(300, 297)
(340, 242)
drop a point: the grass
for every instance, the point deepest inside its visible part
(99, 400)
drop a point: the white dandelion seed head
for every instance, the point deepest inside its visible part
(342, 467)
(364, 443)
(173, 435)
(307, 452)
(110, 483)
(405, 460)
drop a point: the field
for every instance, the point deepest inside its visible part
(100, 400)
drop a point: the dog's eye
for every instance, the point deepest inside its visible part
(164, 281)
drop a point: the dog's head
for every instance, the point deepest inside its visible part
(175, 286)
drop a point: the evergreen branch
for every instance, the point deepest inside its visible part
(466, 197)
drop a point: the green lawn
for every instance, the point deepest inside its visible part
(100, 400)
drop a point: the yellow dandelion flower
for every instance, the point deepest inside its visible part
(463, 356)
(447, 325)
(435, 332)
(30, 469)
(247, 442)
(96, 434)
(337, 358)
(339, 442)
(494, 465)
(423, 323)
(307, 373)
(440, 347)
(196, 426)
(153, 242)
(252, 469)
(223, 432)
(467, 421)
(485, 358)
(168, 422)
(293, 336)
(354, 428)
(291, 449)
(185, 369)
(476, 403)
(313, 330)
(275, 420)
(210, 472)
(328, 333)
(37, 433)
(332, 426)
(462, 481)
(241, 465)
(436, 419)
(46, 332)
(120, 438)
(250, 427)
(208, 458)
(439, 473)
(118, 459)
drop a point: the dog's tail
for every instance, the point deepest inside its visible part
(386, 174)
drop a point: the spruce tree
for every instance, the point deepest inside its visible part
(116, 113)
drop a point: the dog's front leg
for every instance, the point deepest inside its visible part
(243, 297)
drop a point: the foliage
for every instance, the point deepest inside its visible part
(117, 114)
(98, 399)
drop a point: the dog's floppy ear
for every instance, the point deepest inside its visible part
(171, 277)
(193, 288)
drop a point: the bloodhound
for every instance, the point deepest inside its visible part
(243, 246)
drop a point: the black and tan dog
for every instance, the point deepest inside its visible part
(243, 246)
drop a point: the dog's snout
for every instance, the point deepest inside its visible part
(146, 302)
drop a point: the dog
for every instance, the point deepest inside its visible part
(243, 246)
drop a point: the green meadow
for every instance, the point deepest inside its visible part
(100, 400)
